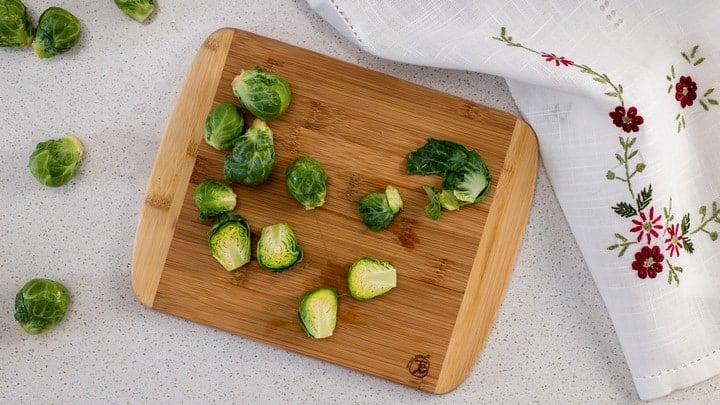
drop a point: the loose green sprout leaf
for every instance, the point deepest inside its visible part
(139, 10)
(377, 210)
(55, 162)
(369, 277)
(40, 305)
(57, 31)
(278, 248)
(253, 155)
(223, 126)
(230, 241)
(317, 312)
(265, 94)
(16, 30)
(214, 198)
(307, 182)
(466, 178)
(433, 208)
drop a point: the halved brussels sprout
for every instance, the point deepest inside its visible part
(214, 198)
(223, 126)
(369, 277)
(265, 94)
(377, 210)
(230, 241)
(307, 182)
(139, 10)
(253, 156)
(16, 30)
(54, 162)
(278, 248)
(317, 312)
(57, 31)
(40, 305)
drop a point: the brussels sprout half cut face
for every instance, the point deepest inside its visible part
(15, 27)
(278, 248)
(317, 312)
(40, 305)
(230, 241)
(369, 277)
(57, 31)
(307, 182)
(265, 94)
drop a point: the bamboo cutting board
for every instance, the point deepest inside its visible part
(360, 125)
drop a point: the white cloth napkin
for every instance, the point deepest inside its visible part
(623, 97)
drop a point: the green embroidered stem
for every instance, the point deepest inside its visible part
(706, 219)
(623, 244)
(509, 42)
(673, 273)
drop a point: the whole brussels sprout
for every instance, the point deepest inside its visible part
(377, 210)
(57, 31)
(139, 10)
(252, 157)
(307, 182)
(54, 162)
(15, 27)
(40, 305)
(214, 198)
(317, 312)
(265, 94)
(278, 248)
(223, 126)
(230, 241)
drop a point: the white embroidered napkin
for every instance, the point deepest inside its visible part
(622, 98)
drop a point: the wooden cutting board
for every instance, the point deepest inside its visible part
(360, 125)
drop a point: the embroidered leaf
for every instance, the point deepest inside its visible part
(622, 142)
(677, 117)
(686, 57)
(708, 92)
(688, 245)
(670, 88)
(611, 94)
(631, 142)
(619, 158)
(703, 210)
(620, 88)
(632, 154)
(640, 167)
(702, 103)
(503, 30)
(644, 197)
(673, 273)
(672, 70)
(694, 51)
(713, 236)
(712, 101)
(624, 209)
(685, 224)
(600, 80)
(699, 61)
(610, 175)
(668, 78)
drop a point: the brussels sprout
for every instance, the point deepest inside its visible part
(307, 182)
(369, 277)
(214, 198)
(223, 126)
(40, 305)
(377, 210)
(57, 31)
(230, 241)
(54, 162)
(15, 27)
(253, 155)
(466, 177)
(278, 248)
(317, 312)
(265, 94)
(139, 10)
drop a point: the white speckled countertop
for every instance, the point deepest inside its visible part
(552, 343)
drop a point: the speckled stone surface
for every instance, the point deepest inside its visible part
(553, 341)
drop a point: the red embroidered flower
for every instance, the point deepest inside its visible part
(648, 262)
(685, 91)
(629, 122)
(647, 225)
(551, 57)
(674, 240)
